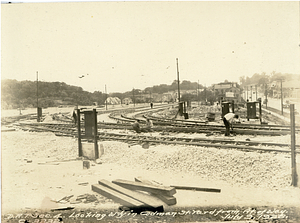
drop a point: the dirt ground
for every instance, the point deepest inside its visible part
(41, 168)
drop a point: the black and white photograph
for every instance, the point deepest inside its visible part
(150, 111)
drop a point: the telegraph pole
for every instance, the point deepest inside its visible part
(198, 92)
(37, 89)
(281, 97)
(266, 93)
(293, 146)
(255, 92)
(37, 96)
(205, 93)
(133, 97)
(178, 80)
(106, 98)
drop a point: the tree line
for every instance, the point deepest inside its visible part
(264, 78)
(26, 94)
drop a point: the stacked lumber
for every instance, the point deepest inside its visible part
(139, 195)
(142, 194)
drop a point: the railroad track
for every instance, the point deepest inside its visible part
(133, 138)
(198, 126)
(170, 127)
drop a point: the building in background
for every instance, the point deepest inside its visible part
(228, 91)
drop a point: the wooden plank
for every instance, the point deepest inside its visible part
(169, 200)
(149, 200)
(117, 197)
(197, 189)
(169, 191)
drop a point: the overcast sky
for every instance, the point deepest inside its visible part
(127, 45)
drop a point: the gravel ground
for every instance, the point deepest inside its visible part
(246, 178)
(267, 170)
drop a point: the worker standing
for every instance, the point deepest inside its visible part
(228, 119)
(74, 115)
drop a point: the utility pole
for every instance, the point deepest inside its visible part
(178, 81)
(255, 92)
(205, 93)
(281, 97)
(106, 98)
(293, 146)
(266, 93)
(133, 97)
(247, 93)
(37, 89)
(37, 96)
(198, 92)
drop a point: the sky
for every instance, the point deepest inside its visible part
(126, 45)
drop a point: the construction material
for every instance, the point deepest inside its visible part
(62, 209)
(168, 191)
(197, 189)
(151, 202)
(169, 200)
(66, 198)
(117, 197)
(86, 198)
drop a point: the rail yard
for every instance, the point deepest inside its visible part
(212, 172)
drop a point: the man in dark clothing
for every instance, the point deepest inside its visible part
(228, 119)
(74, 117)
(136, 127)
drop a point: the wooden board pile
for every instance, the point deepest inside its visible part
(139, 195)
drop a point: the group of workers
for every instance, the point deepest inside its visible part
(148, 128)
(228, 121)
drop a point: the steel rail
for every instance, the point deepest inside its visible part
(67, 130)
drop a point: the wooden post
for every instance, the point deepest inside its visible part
(79, 133)
(293, 146)
(260, 111)
(95, 134)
